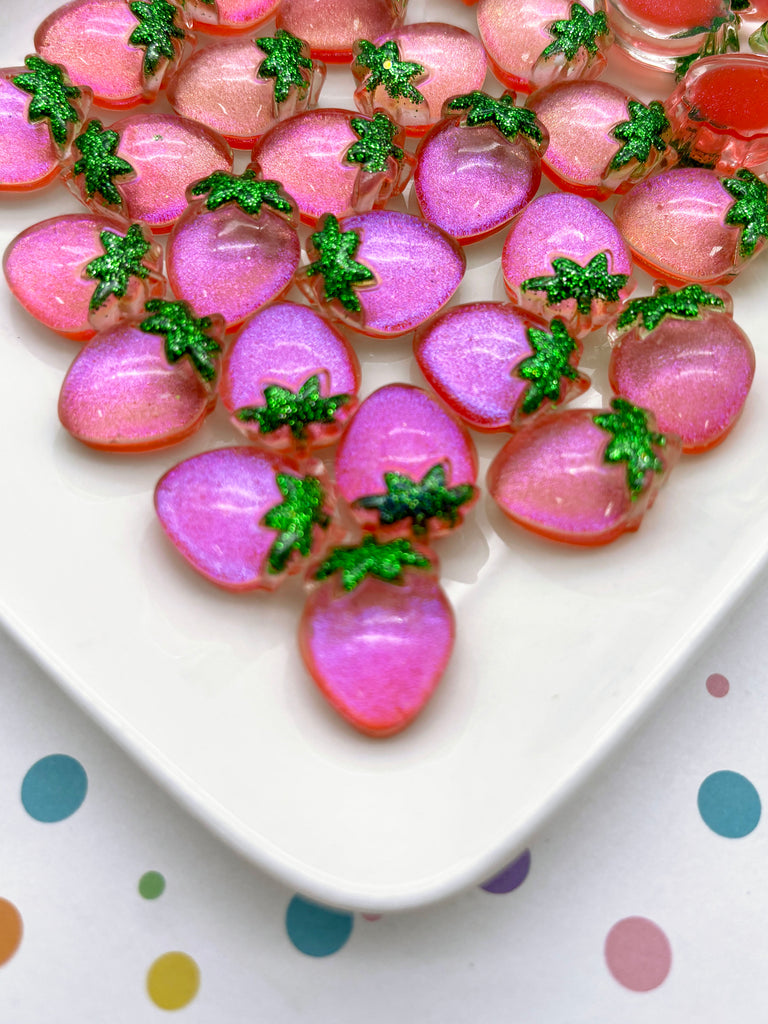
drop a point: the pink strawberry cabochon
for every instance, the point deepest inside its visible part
(332, 27)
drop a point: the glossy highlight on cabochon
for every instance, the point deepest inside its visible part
(405, 465)
(266, 372)
(80, 273)
(245, 519)
(381, 272)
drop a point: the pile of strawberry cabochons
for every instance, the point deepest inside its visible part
(163, 339)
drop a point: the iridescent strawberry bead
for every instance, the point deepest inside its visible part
(123, 50)
(40, 113)
(479, 166)
(496, 366)
(409, 74)
(382, 273)
(290, 380)
(332, 26)
(141, 166)
(601, 140)
(247, 519)
(335, 161)
(532, 43)
(243, 88)
(145, 383)
(80, 273)
(377, 632)
(565, 258)
(406, 466)
(680, 353)
(235, 247)
(583, 476)
(691, 224)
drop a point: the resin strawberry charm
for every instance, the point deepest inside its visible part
(480, 165)
(41, 112)
(405, 465)
(601, 140)
(290, 380)
(144, 383)
(719, 113)
(693, 224)
(376, 633)
(681, 354)
(530, 46)
(564, 257)
(583, 476)
(382, 272)
(81, 273)
(497, 367)
(123, 50)
(230, 17)
(331, 27)
(235, 248)
(243, 88)
(410, 73)
(671, 35)
(141, 166)
(246, 519)
(333, 161)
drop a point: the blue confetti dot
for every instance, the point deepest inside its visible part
(54, 787)
(316, 930)
(511, 877)
(729, 804)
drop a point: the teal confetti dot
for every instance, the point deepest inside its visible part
(316, 930)
(729, 804)
(151, 885)
(54, 787)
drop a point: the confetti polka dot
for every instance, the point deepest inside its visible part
(511, 877)
(717, 685)
(151, 885)
(54, 787)
(729, 804)
(11, 929)
(173, 981)
(638, 954)
(316, 930)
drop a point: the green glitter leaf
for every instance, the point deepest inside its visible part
(370, 558)
(295, 518)
(501, 113)
(422, 500)
(337, 265)
(249, 192)
(548, 366)
(374, 145)
(293, 409)
(50, 96)
(581, 29)
(645, 132)
(749, 210)
(632, 443)
(185, 335)
(99, 164)
(121, 261)
(684, 304)
(283, 62)
(155, 32)
(385, 67)
(740, 5)
(572, 281)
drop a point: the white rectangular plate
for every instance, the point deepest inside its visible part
(558, 651)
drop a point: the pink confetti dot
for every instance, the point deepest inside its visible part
(638, 954)
(717, 685)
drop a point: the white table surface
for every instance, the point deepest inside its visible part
(631, 843)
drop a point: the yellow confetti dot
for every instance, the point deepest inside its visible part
(387, 64)
(173, 981)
